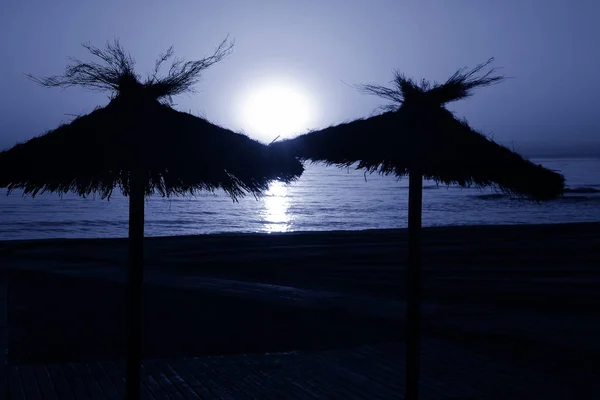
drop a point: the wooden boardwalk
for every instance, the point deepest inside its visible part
(373, 372)
(3, 331)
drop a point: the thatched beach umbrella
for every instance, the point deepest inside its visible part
(140, 145)
(417, 136)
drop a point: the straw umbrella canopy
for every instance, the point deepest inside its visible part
(139, 144)
(417, 136)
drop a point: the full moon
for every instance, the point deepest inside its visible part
(276, 109)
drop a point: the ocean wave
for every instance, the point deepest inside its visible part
(425, 187)
(568, 195)
(491, 196)
(580, 199)
(185, 222)
(584, 189)
(63, 223)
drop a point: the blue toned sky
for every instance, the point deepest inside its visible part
(315, 49)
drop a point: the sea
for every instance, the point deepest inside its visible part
(323, 199)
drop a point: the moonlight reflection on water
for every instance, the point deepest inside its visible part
(275, 214)
(324, 198)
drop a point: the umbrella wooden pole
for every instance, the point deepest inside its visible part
(415, 205)
(134, 292)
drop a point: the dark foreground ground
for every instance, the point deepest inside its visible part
(55, 318)
(527, 295)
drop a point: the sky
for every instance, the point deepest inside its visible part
(294, 62)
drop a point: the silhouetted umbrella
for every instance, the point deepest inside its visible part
(141, 145)
(417, 136)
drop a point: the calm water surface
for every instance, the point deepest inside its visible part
(325, 198)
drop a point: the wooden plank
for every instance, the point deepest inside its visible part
(360, 372)
(261, 375)
(278, 374)
(3, 334)
(230, 384)
(108, 387)
(306, 390)
(338, 370)
(15, 384)
(75, 382)
(271, 380)
(163, 381)
(246, 375)
(113, 371)
(146, 393)
(278, 369)
(320, 377)
(328, 383)
(230, 370)
(180, 384)
(150, 384)
(30, 383)
(63, 390)
(119, 371)
(45, 382)
(203, 374)
(90, 382)
(193, 378)
(278, 381)
(312, 378)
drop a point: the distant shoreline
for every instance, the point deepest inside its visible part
(555, 149)
(562, 157)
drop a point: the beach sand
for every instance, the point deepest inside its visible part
(72, 318)
(503, 286)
